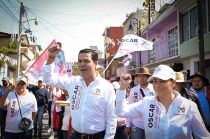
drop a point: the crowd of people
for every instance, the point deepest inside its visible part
(164, 104)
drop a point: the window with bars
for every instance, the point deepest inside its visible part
(193, 22)
(151, 56)
(173, 42)
(185, 27)
(3, 71)
(190, 21)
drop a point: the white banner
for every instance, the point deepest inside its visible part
(131, 43)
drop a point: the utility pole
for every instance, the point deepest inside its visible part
(22, 10)
(201, 38)
(147, 4)
(149, 12)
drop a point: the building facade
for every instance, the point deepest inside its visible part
(175, 36)
(113, 36)
(9, 69)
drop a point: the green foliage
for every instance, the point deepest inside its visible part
(39, 47)
(2, 62)
(6, 49)
(75, 68)
(9, 47)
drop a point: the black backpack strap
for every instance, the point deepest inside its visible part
(18, 104)
(142, 92)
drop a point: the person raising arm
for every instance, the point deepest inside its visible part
(92, 98)
(167, 114)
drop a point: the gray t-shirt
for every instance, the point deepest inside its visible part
(41, 96)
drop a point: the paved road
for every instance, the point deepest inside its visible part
(45, 133)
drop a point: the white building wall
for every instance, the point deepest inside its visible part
(191, 64)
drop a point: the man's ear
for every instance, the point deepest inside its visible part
(96, 63)
(174, 83)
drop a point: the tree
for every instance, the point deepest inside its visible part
(6, 49)
(75, 68)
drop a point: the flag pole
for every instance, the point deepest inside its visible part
(24, 74)
(108, 65)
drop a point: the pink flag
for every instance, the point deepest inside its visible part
(69, 69)
(60, 64)
(37, 65)
(34, 71)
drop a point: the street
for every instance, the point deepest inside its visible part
(45, 134)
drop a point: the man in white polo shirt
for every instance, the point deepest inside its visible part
(92, 98)
(135, 126)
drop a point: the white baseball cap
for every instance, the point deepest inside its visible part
(21, 78)
(163, 72)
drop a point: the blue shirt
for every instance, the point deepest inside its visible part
(1, 92)
(204, 106)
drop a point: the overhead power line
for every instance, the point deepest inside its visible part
(57, 27)
(6, 9)
(9, 2)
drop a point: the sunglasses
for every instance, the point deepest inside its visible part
(21, 83)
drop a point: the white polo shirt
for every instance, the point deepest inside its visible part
(92, 107)
(181, 119)
(135, 96)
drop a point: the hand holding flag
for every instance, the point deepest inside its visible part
(131, 43)
(42, 58)
(126, 61)
(54, 50)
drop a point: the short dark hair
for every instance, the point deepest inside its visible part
(94, 54)
(59, 43)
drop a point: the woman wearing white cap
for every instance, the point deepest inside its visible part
(167, 115)
(21, 104)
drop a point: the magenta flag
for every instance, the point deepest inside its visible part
(37, 65)
(60, 64)
(35, 72)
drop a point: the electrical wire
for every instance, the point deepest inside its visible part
(57, 27)
(18, 1)
(9, 12)
(9, 2)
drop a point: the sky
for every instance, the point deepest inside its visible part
(77, 24)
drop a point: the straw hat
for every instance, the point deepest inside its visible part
(143, 70)
(180, 77)
(100, 69)
(198, 74)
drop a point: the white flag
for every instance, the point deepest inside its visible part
(131, 43)
(126, 61)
